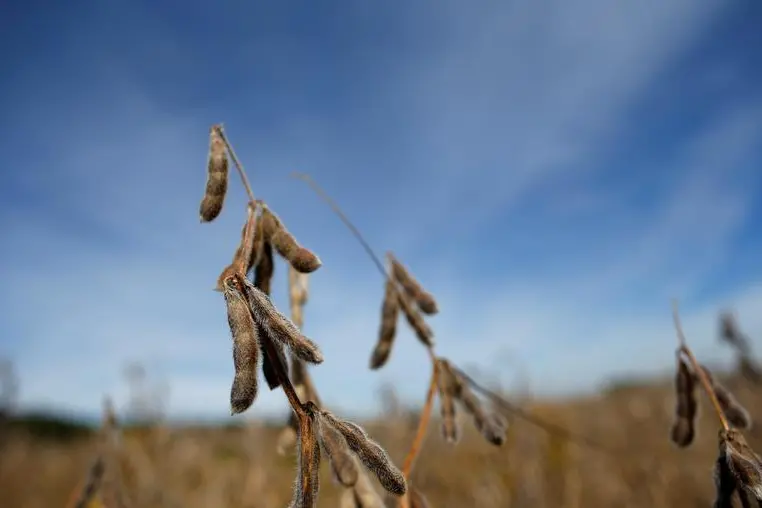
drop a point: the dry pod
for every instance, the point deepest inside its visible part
(216, 178)
(245, 347)
(744, 464)
(265, 269)
(373, 457)
(277, 327)
(388, 329)
(413, 288)
(733, 410)
(724, 483)
(683, 428)
(415, 320)
(447, 387)
(730, 333)
(268, 370)
(339, 455)
(303, 260)
(491, 425)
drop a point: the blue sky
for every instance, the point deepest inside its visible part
(553, 171)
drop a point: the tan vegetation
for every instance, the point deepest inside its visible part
(610, 450)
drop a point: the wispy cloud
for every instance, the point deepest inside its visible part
(554, 172)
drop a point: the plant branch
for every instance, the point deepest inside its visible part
(705, 383)
(549, 427)
(236, 162)
(330, 202)
(504, 404)
(422, 424)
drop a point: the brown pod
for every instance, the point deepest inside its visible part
(490, 425)
(387, 331)
(447, 390)
(415, 320)
(303, 260)
(245, 347)
(373, 457)
(263, 275)
(216, 177)
(736, 414)
(682, 432)
(743, 462)
(339, 455)
(724, 483)
(413, 288)
(683, 428)
(265, 269)
(277, 327)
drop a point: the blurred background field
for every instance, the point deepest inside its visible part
(237, 465)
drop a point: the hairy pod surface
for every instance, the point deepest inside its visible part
(245, 347)
(423, 299)
(303, 260)
(369, 452)
(217, 177)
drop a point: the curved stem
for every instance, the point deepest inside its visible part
(705, 383)
(420, 434)
(236, 161)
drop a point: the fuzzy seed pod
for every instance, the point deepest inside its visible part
(268, 370)
(415, 320)
(744, 464)
(731, 334)
(308, 453)
(447, 388)
(369, 452)
(216, 177)
(277, 326)
(245, 347)
(724, 483)
(736, 414)
(749, 369)
(389, 313)
(265, 269)
(303, 260)
(683, 428)
(491, 425)
(336, 448)
(413, 288)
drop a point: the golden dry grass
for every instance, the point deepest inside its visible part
(231, 467)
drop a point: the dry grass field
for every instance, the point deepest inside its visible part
(239, 467)
(465, 447)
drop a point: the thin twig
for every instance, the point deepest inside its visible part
(422, 424)
(507, 406)
(420, 435)
(705, 383)
(517, 411)
(236, 162)
(325, 197)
